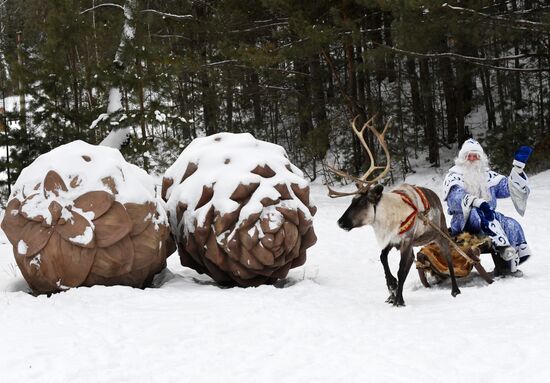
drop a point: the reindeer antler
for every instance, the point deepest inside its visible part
(364, 179)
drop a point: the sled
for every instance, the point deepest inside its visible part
(430, 260)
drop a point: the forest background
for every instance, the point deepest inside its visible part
(292, 72)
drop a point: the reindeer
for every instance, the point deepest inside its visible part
(404, 217)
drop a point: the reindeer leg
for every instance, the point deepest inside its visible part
(391, 282)
(445, 247)
(407, 259)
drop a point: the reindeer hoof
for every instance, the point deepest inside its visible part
(454, 293)
(391, 299)
(399, 304)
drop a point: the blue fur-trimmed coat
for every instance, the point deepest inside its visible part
(498, 187)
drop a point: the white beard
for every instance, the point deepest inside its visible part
(475, 178)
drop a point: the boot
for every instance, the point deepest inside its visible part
(505, 268)
(524, 252)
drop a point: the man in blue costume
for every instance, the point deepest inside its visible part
(471, 190)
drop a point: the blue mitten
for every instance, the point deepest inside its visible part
(486, 211)
(486, 215)
(522, 155)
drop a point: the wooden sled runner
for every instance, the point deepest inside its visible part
(429, 259)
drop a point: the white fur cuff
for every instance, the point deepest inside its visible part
(466, 204)
(518, 164)
(477, 202)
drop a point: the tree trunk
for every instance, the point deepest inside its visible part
(229, 107)
(417, 106)
(22, 101)
(488, 98)
(447, 79)
(303, 103)
(256, 100)
(430, 131)
(319, 108)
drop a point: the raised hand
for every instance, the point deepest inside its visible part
(522, 155)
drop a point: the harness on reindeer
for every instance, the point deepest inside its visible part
(465, 248)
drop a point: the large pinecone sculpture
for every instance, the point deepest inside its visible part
(239, 210)
(80, 215)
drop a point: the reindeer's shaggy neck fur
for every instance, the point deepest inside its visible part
(390, 212)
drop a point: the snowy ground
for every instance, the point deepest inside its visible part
(327, 323)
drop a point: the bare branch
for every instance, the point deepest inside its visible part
(271, 20)
(351, 102)
(221, 62)
(479, 61)
(454, 55)
(163, 14)
(171, 36)
(103, 5)
(170, 15)
(258, 27)
(527, 24)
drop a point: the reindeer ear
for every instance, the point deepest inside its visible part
(375, 194)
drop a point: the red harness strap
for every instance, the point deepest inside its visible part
(409, 221)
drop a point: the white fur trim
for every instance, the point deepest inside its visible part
(519, 189)
(518, 164)
(477, 202)
(500, 238)
(466, 204)
(451, 179)
(470, 146)
(455, 176)
(523, 250)
(493, 178)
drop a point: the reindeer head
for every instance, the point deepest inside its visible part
(362, 209)
(363, 206)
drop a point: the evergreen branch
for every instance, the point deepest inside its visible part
(259, 27)
(526, 24)
(351, 102)
(286, 71)
(289, 44)
(249, 67)
(367, 30)
(528, 11)
(221, 62)
(285, 88)
(271, 20)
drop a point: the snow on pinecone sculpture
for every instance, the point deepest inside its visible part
(81, 215)
(239, 210)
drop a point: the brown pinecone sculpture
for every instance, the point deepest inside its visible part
(80, 216)
(239, 210)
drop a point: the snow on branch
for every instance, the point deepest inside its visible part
(102, 5)
(259, 27)
(522, 24)
(480, 61)
(221, 62)
(165, 14)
